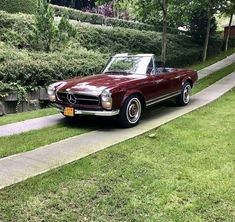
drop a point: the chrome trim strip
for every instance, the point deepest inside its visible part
(160, 99)
(95, 94)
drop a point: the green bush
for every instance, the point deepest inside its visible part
(34, 69)
(16, 29)
(100, 19)
(108, 40)
(14, 6)
(78, 15)
(119, 40)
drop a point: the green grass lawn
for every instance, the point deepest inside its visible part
(13, 118)
(212, 60)
(33, 139)
(185, 173)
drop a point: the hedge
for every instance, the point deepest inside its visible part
(94, 18)
(32, 69)
(16, 29)
(119, 40)
(15, 6)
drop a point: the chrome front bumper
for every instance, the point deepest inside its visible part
(89, 112)
(97, 113)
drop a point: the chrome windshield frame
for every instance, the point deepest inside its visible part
(124, 56)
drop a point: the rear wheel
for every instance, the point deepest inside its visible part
(130, 112)
(184, 97)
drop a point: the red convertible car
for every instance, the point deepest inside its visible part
(127, 85)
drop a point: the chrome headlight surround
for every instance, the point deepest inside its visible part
(106, 99)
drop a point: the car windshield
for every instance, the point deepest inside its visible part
(129, 65)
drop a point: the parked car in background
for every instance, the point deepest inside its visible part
(127, 85)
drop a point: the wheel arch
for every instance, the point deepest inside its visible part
(134, 92)
(188, 79)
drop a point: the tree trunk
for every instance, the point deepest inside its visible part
(204, 55)
(228, 34)
(164, 33)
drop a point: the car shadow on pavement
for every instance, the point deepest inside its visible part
(108, 123)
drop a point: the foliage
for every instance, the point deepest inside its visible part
(30, 69)
(211, 7)
(198, 20)
(77, 4)
(46, 30)
(65, 30)
(78, 58)
(14, 6)
(180, 49)
(198, 24)
(17, 29)
(5, 88)
(99, 19)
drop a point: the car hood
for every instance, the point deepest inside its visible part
(97, 83)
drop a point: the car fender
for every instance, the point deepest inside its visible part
(131, 92)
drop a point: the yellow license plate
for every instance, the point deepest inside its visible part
(69, 111)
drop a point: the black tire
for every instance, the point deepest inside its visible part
(184, 97)
(130, 112)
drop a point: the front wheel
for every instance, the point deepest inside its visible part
(184, 97)
(130, 113)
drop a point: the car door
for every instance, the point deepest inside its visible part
(166, 83)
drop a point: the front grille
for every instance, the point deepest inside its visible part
(80, 98)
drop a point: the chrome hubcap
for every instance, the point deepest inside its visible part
(186, 94)
(133, 111)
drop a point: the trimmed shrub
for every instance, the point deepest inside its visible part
(15, 6)
(78, 15)
(106, 40)
(32, 69)
(94, 18)
(119, 40)
(16, 29)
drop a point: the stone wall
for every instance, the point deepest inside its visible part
(35, 100)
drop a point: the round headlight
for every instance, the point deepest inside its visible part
(50, 90)
(51, 93)
(106, 98)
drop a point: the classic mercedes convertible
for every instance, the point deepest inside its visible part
(127, 85)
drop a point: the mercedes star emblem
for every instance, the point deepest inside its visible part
(71, 98)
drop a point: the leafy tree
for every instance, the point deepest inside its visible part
(197, 24)
(65, 30)
(164, 6)
(46, 29)
(230, 10)
(211, 7)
